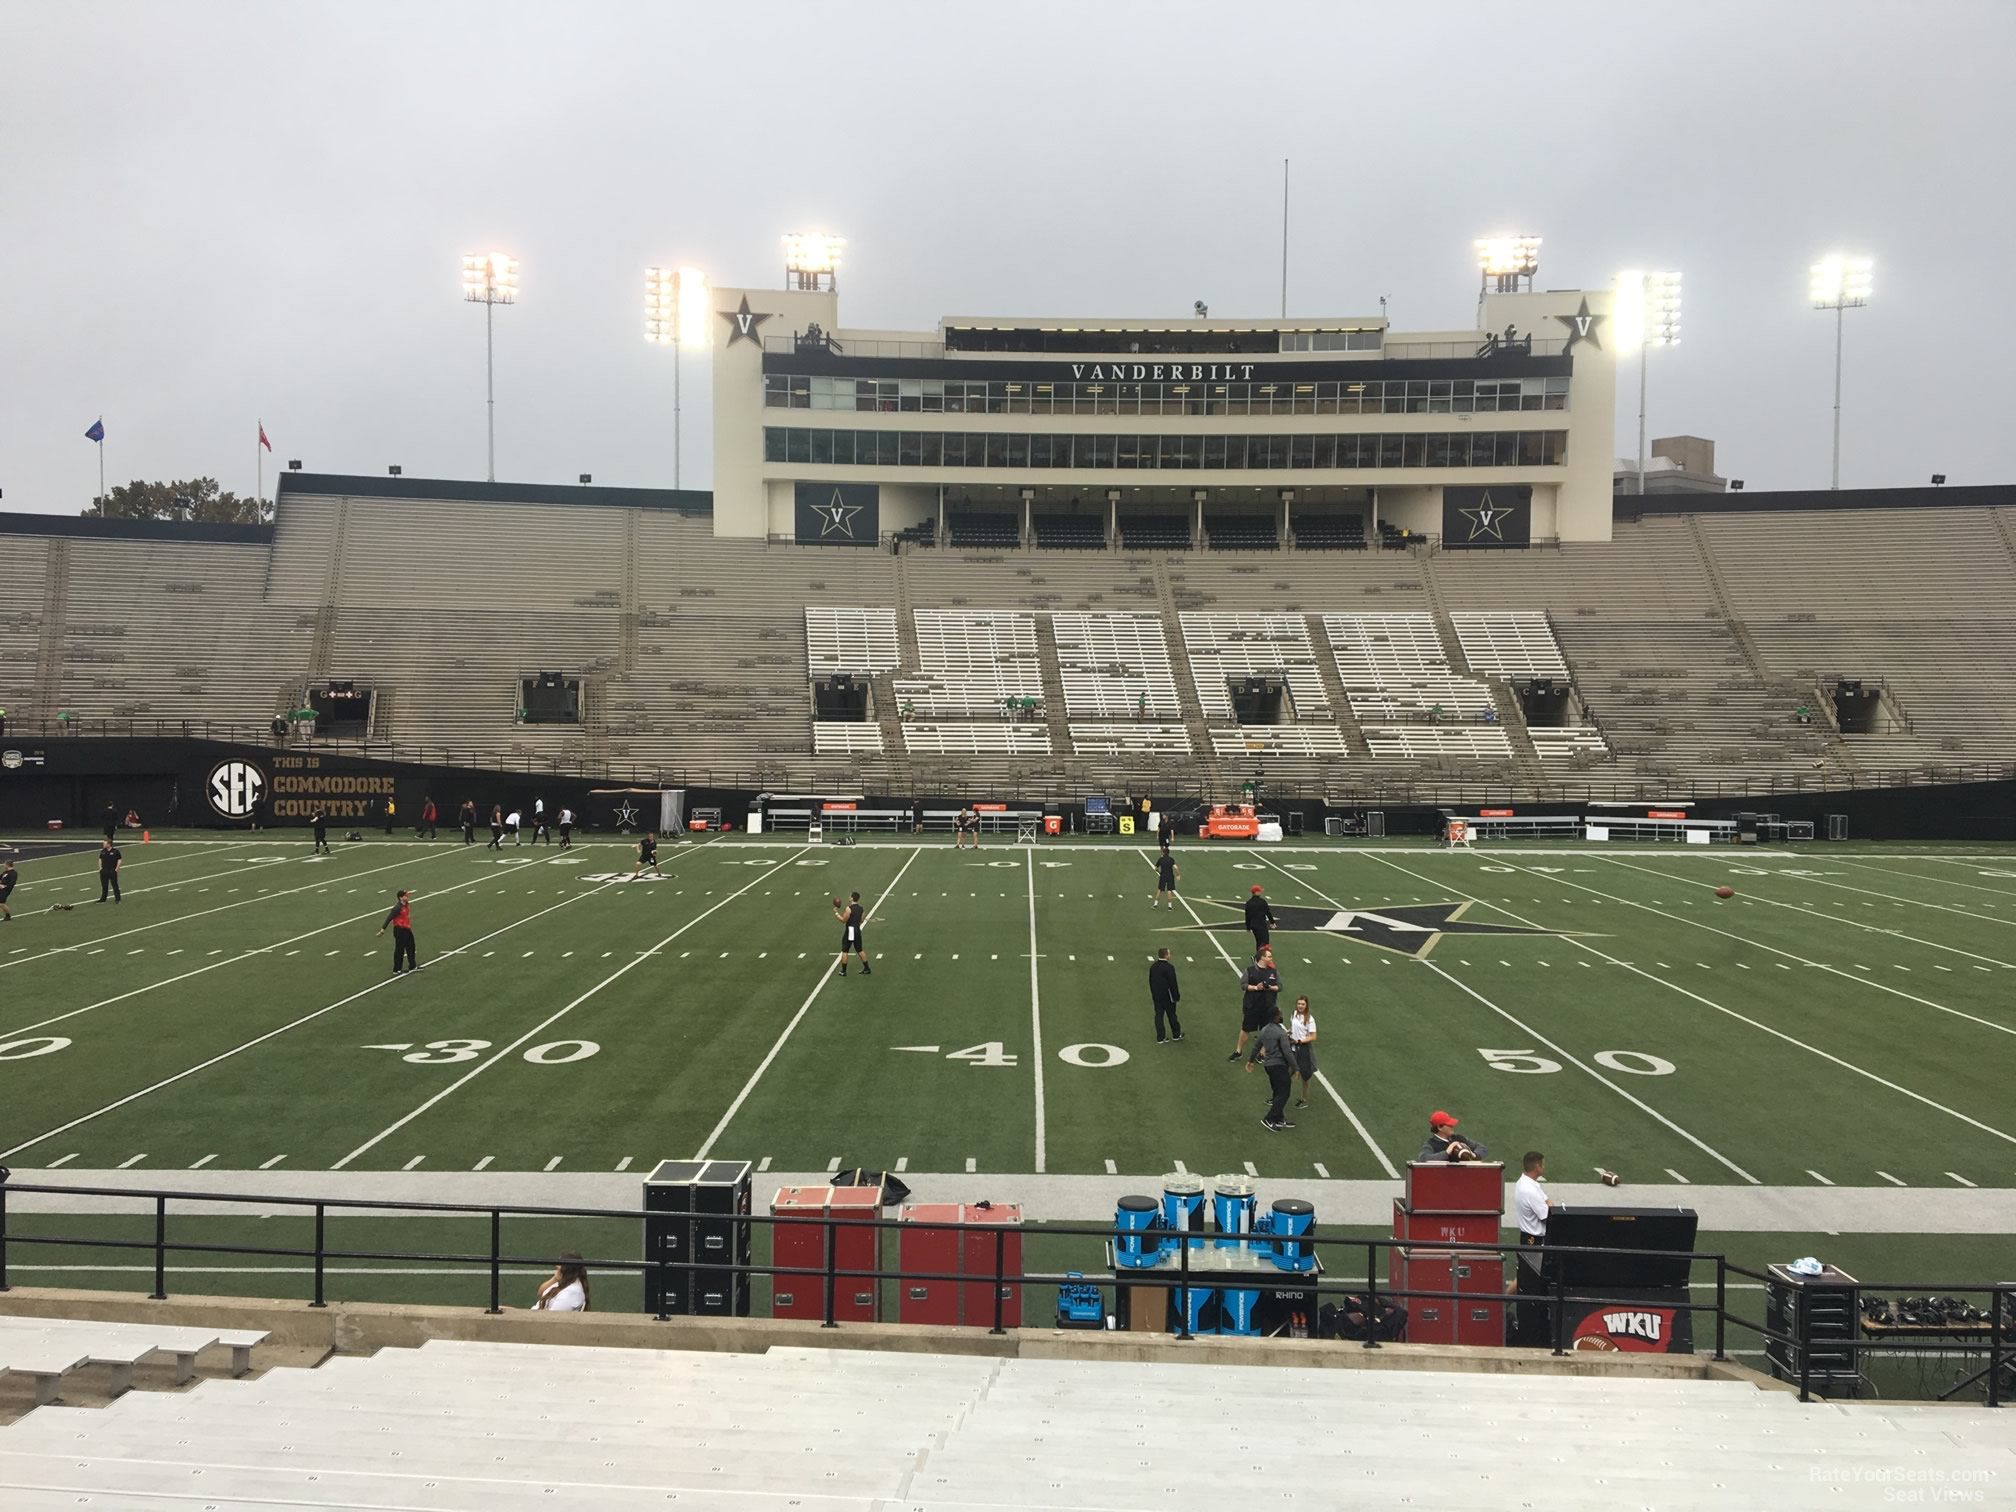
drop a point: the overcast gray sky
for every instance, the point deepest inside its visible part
(214, 213)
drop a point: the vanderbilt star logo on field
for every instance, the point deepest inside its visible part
(1485, 518)
(742, 323)
(1581, 327)
(1410, 929)
(837, 517)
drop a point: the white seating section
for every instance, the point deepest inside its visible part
(1567, 742)
(968, 738)
(1414, 742)
(1394, 666)
(1279, 740)
(47, 1349)
(851, 642)
(1110, 662)
(1222, 647)
(838, 737)
(972, 661)
(456, 1427)
(1130, 740)
(1509, 643)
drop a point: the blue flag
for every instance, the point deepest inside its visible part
(97, 431)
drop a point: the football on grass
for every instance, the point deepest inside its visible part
(1725, 892)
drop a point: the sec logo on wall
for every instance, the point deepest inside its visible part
(235, 788)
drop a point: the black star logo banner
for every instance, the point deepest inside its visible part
(743, 323)
(1486, 518)
(1410, 929)
(1582, 327)
(837, 517)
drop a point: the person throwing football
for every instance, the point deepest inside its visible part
(850, 917)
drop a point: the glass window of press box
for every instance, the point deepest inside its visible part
(894, 448)
(951, 396)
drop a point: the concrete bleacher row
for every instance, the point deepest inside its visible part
(1690, 640)
(46, 1351)
(463, 1426)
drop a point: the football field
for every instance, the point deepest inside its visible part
(1847, 1019)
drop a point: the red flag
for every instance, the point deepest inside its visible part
(262, 436)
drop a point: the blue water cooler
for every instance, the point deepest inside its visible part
(1292, 1220)
(1182, 1207)
(1235, 1311)
(1232, 1209)
(1200, 1298)
(1134, 1244)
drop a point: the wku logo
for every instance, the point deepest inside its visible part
(1636, 1325)
(1644, 1330)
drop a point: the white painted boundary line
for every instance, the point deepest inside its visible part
(232, 960)
(776, 1045)
(1870, 892)
(1637, 1102)
(169, 1081)
(1035, 1011)
(1741, 1018)
(1322, 1078)
(1847, 976)
(475, 1071)
(1891, 871)
(323, 880)
(30, 882)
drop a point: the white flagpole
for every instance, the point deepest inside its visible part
(259, 458)
(101, 463)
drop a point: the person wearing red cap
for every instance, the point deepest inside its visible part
(1259, 918)
(1442, 1143)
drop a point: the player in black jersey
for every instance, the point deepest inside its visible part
(108, 871)
(1165, 880)
(647, 855)
(7, 881)
(851, 919)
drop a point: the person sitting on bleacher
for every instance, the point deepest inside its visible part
(566, 1290)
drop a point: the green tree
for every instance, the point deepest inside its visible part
(198, 500)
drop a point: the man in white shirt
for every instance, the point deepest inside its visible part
(1529, 1210)
(566, 829)
(511, 823)
(539, 822)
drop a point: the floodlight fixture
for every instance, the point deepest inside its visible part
(1645, 314)
(812, 260)
(1839, 283)
(490, 279)
(676, 309)
(1506, 261)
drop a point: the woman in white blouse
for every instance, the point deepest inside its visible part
(566, 1290)
(1302, 1040)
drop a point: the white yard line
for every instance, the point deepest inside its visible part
(306, 1018)
(777, 1045)
(551, 1019)
(264, 897)
(1322, 1078)
(233, 960)
(1741, 1018)
(1877, 929)
(1035, 1012)
(44, 879)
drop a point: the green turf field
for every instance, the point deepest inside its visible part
(1845, 1020)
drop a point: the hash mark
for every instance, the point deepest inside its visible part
(61, 1160)
(972, 1165)
(833, 1164)
(203, 1162)
(1112, 1169)
(267, 1165)
(1961, 1179)
(765, 1164)
(1819, 1178)
(902, 1164)
(624, 1163)
(483, 1162)
(412, 1163)
(1322, 1170)
(1889, 1178)
(1249, 1168)
(125, 1164)
(1182, 1168)
(553, 1162)
(1678, 1177)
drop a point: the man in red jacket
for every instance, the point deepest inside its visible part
(400, 921)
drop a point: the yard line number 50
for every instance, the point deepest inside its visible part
(1527, 1063)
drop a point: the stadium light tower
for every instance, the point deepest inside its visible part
(1646, 314)
(675, 315)
(1505, 260)
(811, 260)
(1839, 284)
(490, 279)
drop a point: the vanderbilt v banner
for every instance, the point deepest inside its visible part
(1487, 517)
(838, 514)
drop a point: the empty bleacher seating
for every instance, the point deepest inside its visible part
(1417, 742)
(1154, 532)
(1226, 646)
(1114, 665)
(971, 528)
(1328, 532)
(1310, 740)
(1133, 739)
(1511, 643)
(1080, 532)
(1394, 666)
(856, 642)
(1241, 532)
(842, 737)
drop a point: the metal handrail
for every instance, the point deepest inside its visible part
(2002, 1296)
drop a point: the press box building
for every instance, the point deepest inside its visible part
(1163, 433)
